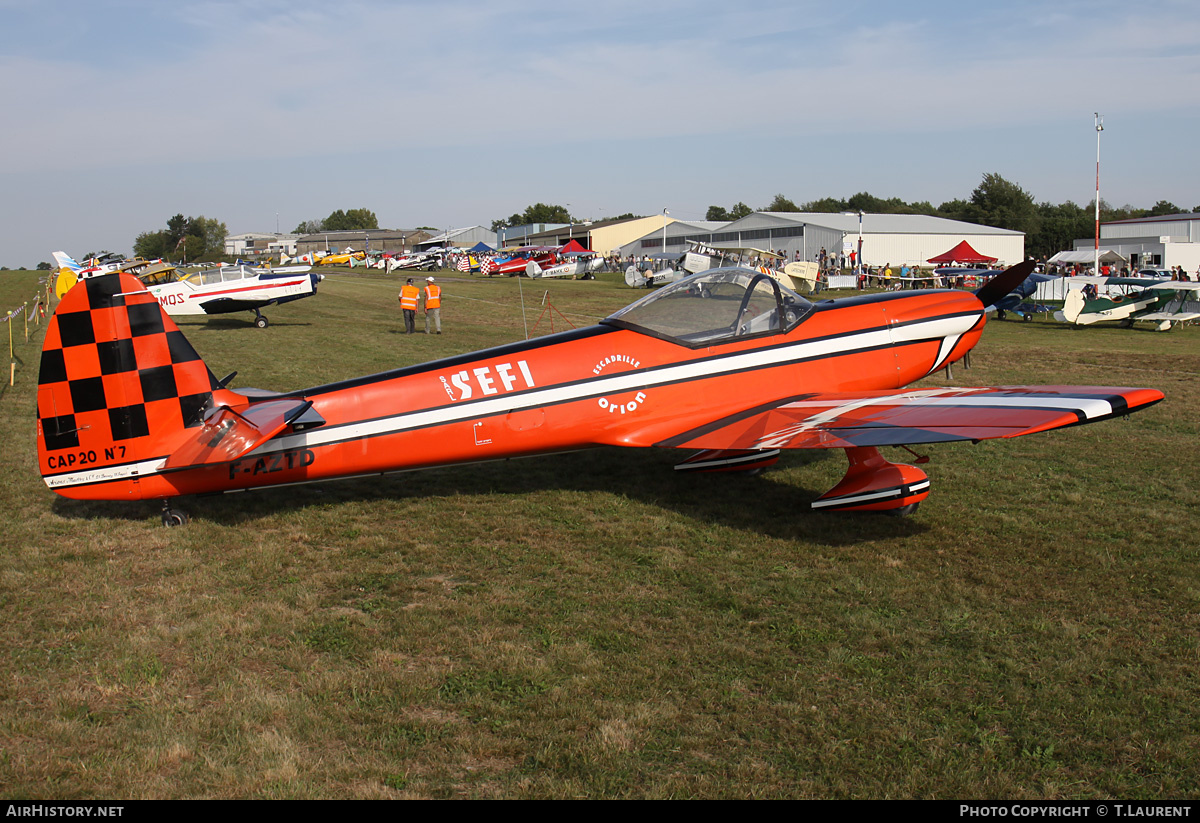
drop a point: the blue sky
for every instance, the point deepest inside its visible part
(450, 113)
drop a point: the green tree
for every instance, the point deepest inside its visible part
(212, 233)
(537, 213)
(739, 211)
(1058, 226)
(865, 202)
(1163, 207)
(185, 238)
(826, 205)
(781, 203)
(43, 266)
(716, 213)
(151, 245)
(177, 229)
(352, 220)
(544, 213)
(1005, 205)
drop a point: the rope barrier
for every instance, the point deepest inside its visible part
(29, 310)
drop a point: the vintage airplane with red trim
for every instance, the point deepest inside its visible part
(227, 289)
(728, 362)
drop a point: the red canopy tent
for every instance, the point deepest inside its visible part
(962, 253)
(573, 247)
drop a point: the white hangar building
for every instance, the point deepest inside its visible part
(887, 238)
(1151, 242)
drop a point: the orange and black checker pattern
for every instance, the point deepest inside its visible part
(115, 368)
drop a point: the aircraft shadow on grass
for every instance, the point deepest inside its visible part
(769, 503)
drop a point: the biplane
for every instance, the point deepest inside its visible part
(727, 363)
(1130, 300)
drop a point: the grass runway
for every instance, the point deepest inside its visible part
(592, 624)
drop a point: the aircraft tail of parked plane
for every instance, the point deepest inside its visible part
(727, 362)
(122, 395)
(69, 271)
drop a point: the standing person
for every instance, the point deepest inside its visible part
(433, 305)
(409, 295)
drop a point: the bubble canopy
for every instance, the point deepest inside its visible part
(715, 306)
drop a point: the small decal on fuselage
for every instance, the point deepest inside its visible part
(621, 404)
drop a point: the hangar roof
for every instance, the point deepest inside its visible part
(879, 223)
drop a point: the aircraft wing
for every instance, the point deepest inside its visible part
(911, 416)
(1175, 285)
(228, 434)
(1177, 316)
(227, 305)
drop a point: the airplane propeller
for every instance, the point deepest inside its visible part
(1005, 282)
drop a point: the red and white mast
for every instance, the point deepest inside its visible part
(1099, 128)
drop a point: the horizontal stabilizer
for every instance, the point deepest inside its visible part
(227, 434)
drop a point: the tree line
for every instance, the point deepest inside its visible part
(338, 220)
(997, 202)
(189, 239)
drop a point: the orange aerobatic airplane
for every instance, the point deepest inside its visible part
(728, 362)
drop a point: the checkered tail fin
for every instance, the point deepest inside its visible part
(119, 384)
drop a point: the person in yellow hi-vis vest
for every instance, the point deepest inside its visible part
(433, 305)
(409, 295)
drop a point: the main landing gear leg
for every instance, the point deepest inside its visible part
(875, 484)
(173, 517)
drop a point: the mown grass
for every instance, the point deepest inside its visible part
(592, 625)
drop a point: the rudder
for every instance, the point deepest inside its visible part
(118, 389)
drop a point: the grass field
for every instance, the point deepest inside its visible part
(592, 625)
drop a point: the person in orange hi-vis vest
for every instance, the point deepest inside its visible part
(433, 305)
(409, 295)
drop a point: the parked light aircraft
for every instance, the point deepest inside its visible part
(415, 260)
(345, 258)
(1177, 305)
(727, 361)
(230, 289)
(1163, 302)
(70, 270)
(544, 256)
(701, 257)
(581, 266)
(1014, 301)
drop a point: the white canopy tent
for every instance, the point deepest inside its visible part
(1106, 256)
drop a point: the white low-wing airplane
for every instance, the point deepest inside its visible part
(219, 290)
(231, 289)
(581, 266)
